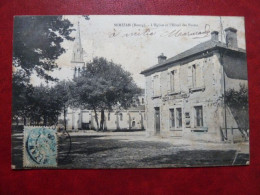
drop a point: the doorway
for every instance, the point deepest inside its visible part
(157, 120)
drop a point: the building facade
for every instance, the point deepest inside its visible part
(185, 93)
(132, 118)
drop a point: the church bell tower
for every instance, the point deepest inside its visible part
(77, 61)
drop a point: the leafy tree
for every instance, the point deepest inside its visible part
(37, 42)
(237, 101)
(37, 45)
(102, 86)
(21, 89)
(45, 104)
(61, 94)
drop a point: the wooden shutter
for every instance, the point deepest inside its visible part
(189, 73)
(153, 86)
(169, 81)
(203, 66)
(177, 80)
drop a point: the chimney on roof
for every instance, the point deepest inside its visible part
(231, 37)
(161, 58)
(214, 36)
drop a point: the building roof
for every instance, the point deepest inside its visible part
(133, 108)
(202, 47)
(137, 108)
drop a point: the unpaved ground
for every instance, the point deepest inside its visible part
(133, 150)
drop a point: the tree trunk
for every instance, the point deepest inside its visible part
(65, 120)
(17, 121)
(24, 121)
(45, 120)
(96, 118)
(102, 120)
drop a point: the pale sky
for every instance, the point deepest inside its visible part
(136, 52)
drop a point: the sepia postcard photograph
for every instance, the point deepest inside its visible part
(129, 91)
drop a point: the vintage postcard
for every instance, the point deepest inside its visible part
(93, 91)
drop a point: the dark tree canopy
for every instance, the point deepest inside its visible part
(42, 104)
(104, 85)
(37, 42)
(36, 47)
(21, 91)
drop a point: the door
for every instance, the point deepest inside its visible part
(157, 120)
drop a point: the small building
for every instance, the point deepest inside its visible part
(132, 118)
(184, 94)
(123, 119)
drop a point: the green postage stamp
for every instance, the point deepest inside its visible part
(40, 147)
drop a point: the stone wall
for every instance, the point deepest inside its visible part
(120, 120)
(208, 94)
(123, 119)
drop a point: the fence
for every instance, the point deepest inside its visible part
(232, 134)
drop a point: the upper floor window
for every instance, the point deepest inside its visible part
(142, 100)
(121, 116)
(173, 80)
(198, 116)
(156, 86)
(194, 75)
(197, 76)
(108, 116)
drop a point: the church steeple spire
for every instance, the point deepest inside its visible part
(77, 49)
(77, 53)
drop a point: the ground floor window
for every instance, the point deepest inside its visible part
(175, 118)
(198, 116)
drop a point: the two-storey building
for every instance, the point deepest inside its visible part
(185, 93)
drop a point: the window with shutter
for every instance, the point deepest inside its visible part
(189, 73)
(156, 86)
(194, 75)
(198, 116)
(197, 77)
(173, 82)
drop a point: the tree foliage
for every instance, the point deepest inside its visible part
(237, 101)
(36, 47)
(37, 42)
(44, 104)
(102, 86)
(21, 90)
